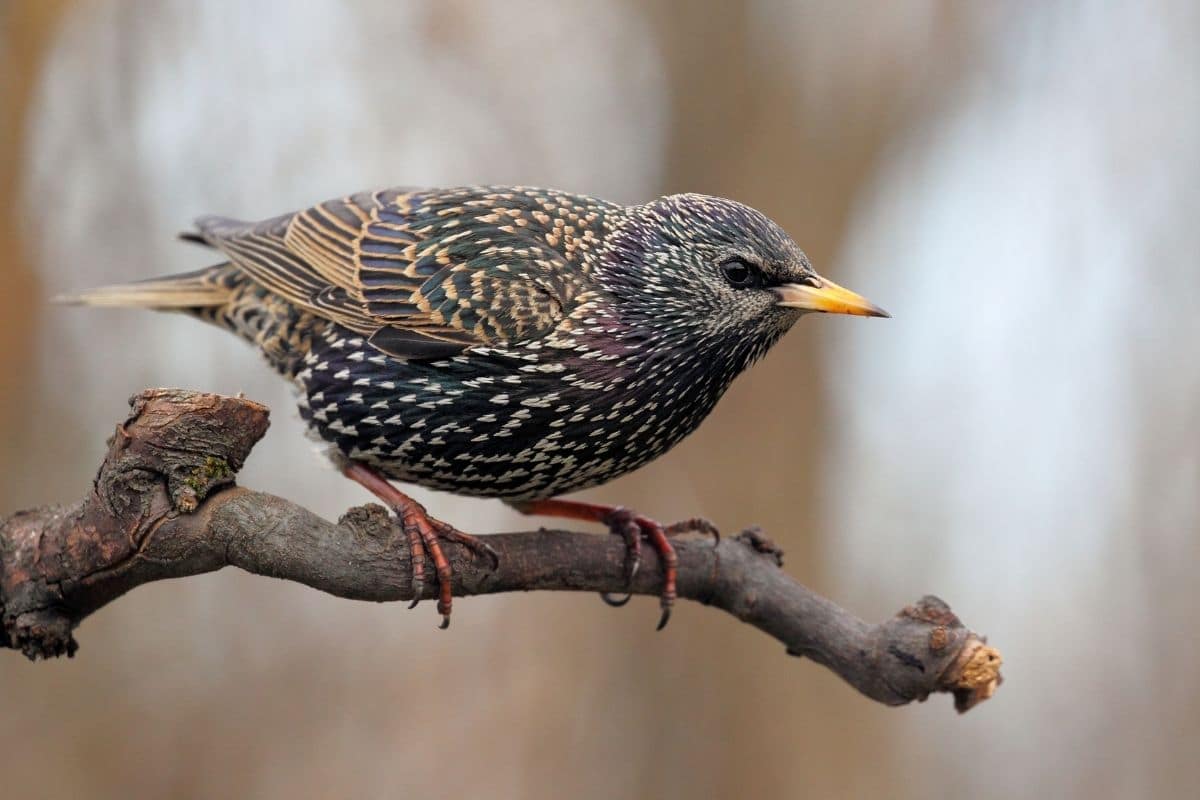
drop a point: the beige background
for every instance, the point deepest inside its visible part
(1018, 183)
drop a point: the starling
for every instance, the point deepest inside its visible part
(502, 342)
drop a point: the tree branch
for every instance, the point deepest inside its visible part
(163, 505)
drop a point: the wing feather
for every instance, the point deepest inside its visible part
(424, 274)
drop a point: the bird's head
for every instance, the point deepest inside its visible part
(696, 268)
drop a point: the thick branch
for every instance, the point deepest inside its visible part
(164, 506)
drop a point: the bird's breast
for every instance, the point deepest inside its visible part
(521, 423)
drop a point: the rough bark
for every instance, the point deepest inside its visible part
(164, 505)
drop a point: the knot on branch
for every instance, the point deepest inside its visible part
(196, 442)
(758, 541)
(371, 520)
(175, 449)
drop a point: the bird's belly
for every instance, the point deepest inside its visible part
(488, 427)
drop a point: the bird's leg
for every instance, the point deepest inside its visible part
(423, 533)
(631, 527)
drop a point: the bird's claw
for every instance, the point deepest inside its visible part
(411, 520)
(633, 562)
(416, 552)
(632, 527)
(665, 618)
(624, 522)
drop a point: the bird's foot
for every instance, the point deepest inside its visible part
(424, 533)
(632, 527)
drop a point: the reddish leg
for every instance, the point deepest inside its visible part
(423, 533)
(631, 527)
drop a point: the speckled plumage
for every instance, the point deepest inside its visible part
(502, 342)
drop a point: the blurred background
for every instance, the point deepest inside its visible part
(1018, 183)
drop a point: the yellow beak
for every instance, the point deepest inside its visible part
(828, 297)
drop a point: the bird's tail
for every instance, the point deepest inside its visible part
(221, 295)
(204, 288)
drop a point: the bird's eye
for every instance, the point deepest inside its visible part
(740, 274)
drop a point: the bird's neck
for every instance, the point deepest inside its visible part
(680, 367)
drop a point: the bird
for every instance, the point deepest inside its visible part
(501, 341)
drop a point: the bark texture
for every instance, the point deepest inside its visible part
(164, 505)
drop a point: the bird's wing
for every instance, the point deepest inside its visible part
(423, 274)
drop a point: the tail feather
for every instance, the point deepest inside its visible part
(211, 286)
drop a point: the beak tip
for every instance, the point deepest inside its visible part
(879, 312)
